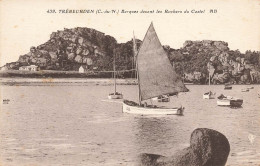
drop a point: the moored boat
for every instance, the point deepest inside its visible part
(6, 101)
(115, 95)
(245, 90)
(229, 101)
(228, 87)
(209, 95)
(156, 77)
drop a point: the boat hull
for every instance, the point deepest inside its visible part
(228, 88)
(244, 90)
(236, 103)
(208, 96)
(223, 102)
(230, 103)
(115, 96)
(151, 111)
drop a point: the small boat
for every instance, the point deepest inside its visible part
(209, 95)
(258, 95)
(162, 98)
(228, 87)
(156, 76)
(6, 101)
(250, 87)
(245, 90)
(115, 95)
(229, 101)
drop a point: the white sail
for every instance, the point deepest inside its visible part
(156, 75)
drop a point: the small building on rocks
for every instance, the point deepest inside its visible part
(29, 68)
(4, 68)
(82, 69)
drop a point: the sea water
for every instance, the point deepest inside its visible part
(75, 125)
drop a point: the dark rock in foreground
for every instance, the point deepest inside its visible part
(207, 148)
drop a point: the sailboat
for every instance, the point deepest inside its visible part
(161, 98)
(115, 95)
(156, 77)
(209, 95)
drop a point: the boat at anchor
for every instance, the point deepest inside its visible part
(115, 95)
(229, 101)
(228, 87)
(245, 90)
(209, 95)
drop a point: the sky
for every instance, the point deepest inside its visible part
(26, 23)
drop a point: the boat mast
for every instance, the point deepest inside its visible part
(209, 73)
(209, 78)
(139, 90)
(136, 75)
(114, 68)
(134, 54)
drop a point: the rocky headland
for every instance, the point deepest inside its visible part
(69, 49)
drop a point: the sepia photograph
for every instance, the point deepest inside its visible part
(130, 83)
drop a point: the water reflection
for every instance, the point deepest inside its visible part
(155, 135)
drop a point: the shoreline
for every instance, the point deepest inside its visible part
(77, 81)
(65, 81)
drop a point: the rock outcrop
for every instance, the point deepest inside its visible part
(71, 48)
(207, 148)
(196, 60)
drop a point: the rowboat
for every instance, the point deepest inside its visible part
(228, 87)
(245, 90)
(229, 101)
(209, 95)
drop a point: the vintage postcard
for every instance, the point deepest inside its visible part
(127, 82)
